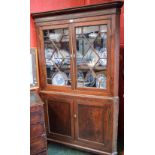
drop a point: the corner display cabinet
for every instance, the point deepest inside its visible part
(78, 50)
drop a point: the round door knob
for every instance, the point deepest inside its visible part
(75, 116)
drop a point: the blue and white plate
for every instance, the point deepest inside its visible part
(103, 56)
(53, 57)
(101, 81)
(48, 53)
(80, 80)
(60, 79)
(57, 58)
(91, 58)
(89, 80)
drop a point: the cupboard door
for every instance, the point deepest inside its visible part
(92, 50)
(59, 118)
(55, 57)
(94, 122)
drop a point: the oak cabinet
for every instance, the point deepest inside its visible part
(78, 51)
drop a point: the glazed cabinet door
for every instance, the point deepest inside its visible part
(59, 120)
(94, 123)
(92, 48)
(55, 57)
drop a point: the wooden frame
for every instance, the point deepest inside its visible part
(35, 70)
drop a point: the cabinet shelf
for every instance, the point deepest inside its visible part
(83, 68)
(97, 68)
(50, 42)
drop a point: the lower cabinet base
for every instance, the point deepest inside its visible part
(96, 152)
(86, 123)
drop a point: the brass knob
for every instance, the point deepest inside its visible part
(75, 116)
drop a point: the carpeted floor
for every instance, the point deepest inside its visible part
(58, 149)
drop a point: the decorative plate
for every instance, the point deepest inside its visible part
(101, 81)
(103, 56)
(93, 35)
(49, 63)
(57, 58)
(48, 53)
(80, 79)
(89, 80)
(55, 36)
(60, 79)
(103, 62)
(91, 58)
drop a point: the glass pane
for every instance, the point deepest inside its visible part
(91, 56)
(57, 55)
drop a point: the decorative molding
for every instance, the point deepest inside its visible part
(115, 4)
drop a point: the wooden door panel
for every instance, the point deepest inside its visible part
(90, 123)
(94, 122)
(58, 114)
(59, 117)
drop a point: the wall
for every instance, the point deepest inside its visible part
(47, 5)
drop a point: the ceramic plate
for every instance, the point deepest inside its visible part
(57, 58)
(103, 56)
(55, 36)
(60, 79)
(91, 58)
(101, 81)
(80, 77)
(103, 62)
(48, 53)
(89, 80)
(93, 35)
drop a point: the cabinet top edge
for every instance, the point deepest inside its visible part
(107, 5)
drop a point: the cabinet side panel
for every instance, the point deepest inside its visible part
(115, 51)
